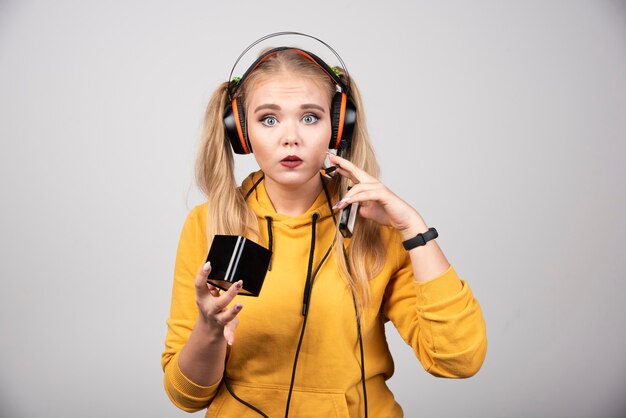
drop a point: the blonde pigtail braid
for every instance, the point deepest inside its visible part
(215, 175)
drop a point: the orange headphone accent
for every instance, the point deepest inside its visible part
(340, 125)
(239, 124)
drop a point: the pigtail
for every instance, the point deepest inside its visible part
(215, 174)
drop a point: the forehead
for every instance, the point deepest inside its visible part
(286, 87)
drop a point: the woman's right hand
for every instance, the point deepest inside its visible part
(213, 306)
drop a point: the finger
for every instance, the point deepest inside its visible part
(347, 174)
(214, 290)
(229, 331)
(225, 317)
(344, 167)
(367, 196)
(347, 169)
(363, 193)
(201, 277)
(227, 297)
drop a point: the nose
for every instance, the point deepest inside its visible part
(290, 135)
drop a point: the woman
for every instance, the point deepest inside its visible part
(313, 343)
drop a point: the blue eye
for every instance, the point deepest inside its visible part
(310, 118)
(269, 120)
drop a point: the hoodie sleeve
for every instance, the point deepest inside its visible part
(440, 319)
(192, 250)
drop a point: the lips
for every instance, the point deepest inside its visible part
(291, 161)
(292, 158)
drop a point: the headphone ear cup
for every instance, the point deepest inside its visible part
(343, 112)
(235, 127)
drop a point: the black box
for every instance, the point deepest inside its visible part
(235, 258)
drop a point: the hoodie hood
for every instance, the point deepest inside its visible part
(253, 188)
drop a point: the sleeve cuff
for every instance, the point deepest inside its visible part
(441, 287)
(179, 384)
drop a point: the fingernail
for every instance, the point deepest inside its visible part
(206, 267)
(238, 307)
(239, 284)
(344, 200)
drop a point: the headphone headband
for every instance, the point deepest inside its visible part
(345, 87)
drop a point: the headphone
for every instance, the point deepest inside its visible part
(342, 110)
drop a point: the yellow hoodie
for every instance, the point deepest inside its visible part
(440, 319)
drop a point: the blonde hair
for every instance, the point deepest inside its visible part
(228, 212)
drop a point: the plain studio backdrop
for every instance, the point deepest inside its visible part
(502, 122)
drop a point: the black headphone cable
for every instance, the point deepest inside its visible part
(237, 398)
(358, 330)
(308, 287)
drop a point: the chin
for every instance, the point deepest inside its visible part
(292, 178)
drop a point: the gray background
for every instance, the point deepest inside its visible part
(502, 122)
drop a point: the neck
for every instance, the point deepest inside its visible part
(293, 200)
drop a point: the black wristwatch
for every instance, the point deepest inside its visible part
(420, 239)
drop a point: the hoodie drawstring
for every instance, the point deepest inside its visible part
(270, 239)
(309, 280)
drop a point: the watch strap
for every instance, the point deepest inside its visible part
(420, 239)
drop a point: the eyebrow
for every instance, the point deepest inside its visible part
(276, 107)
(267, 106)
(312, 106)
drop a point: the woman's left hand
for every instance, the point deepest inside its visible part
(377, 202)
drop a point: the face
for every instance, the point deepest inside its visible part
(289, 127)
